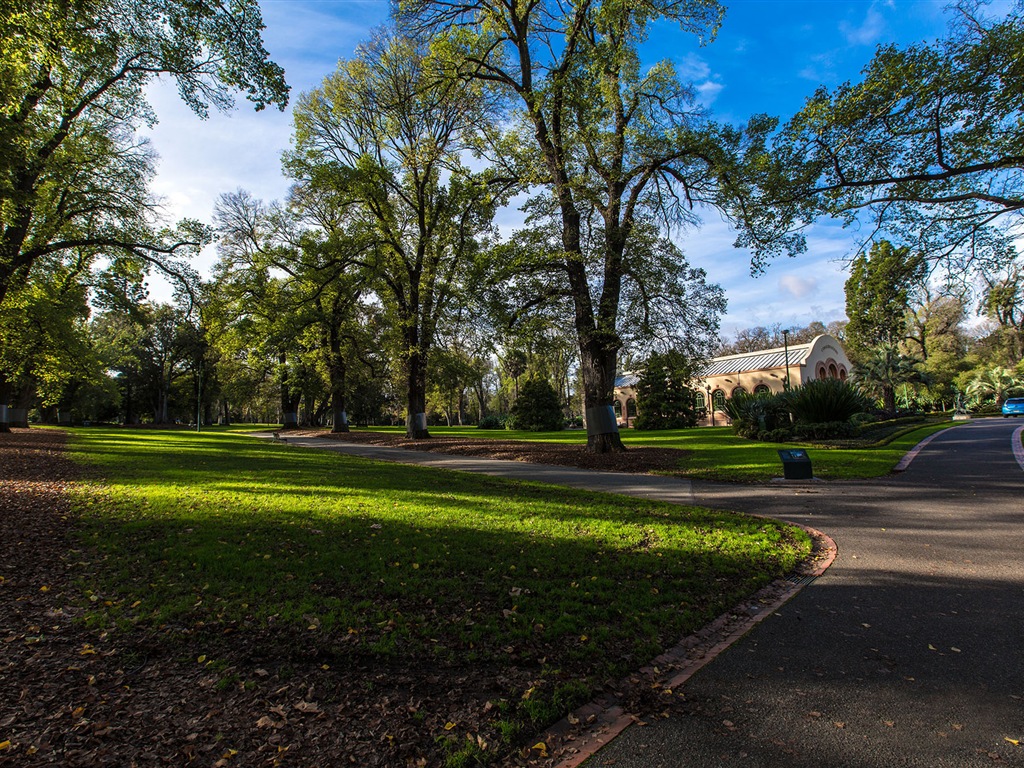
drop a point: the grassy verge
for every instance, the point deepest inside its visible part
(223, 533)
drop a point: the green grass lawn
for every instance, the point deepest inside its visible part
(715, 453)
(218, 530)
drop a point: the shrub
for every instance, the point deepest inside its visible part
(537, 408)
(664, 398)
(780, 435)
(823, 401)
(493, 421)
(827, 430)
(752, 414)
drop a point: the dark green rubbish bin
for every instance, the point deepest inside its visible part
(796, 464)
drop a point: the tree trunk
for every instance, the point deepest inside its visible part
(416, 408)
(597, 364)
(5, 393)
(129, 411)
(889, 398)
(337, 372)
(289, 403)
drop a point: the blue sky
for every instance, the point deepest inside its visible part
(769, 56)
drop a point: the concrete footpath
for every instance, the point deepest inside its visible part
(907, 652)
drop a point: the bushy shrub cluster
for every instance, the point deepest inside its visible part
(664, 396)
(823, 409)
(493, 421)
(537, 409)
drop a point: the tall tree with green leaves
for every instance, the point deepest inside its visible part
(878, 294)
(927, 148)
(665, 398)
(387, 137)
(72, 80)
(1003, 302)
(73, 174)
(615, 143)
(302, 266)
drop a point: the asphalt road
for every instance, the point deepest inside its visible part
(909, 651)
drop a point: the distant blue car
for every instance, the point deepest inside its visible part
(1013, 406)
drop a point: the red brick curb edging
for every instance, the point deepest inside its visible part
(582, 733)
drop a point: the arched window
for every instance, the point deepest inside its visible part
(842, 373)
(833, 371)
(738, 391)
(762, 389)
(821, 372)
(699, 401)
(631, 408)
(718, 400)
(618, 409)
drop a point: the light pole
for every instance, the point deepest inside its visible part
(711, 406)
(785, 341)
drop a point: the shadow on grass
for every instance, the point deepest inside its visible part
(398, 559)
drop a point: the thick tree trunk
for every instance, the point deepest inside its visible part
(337, 372)
(597, 364)
(289, 402)
(416, 407)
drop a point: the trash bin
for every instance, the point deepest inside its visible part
(796, 464)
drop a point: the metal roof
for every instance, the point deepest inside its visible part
(756, 361)
(627, 379)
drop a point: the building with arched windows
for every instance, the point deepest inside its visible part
(762, 371)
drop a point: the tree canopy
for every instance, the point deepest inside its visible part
(927, 148)
(73, 174)
(613, 144)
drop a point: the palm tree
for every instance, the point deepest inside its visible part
(884, 370)
(997, 381)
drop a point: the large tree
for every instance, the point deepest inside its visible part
(73, 174)
(383, 135)
(927, 147)
(878, 293)
(613, 141)
(296, 271)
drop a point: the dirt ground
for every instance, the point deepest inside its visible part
(638, 459)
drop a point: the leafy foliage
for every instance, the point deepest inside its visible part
(878, 297)
(824, 400)
(664, 398)
(537, 409)
(758, 414)
(73, 174)
(883, 370)
(927, 146)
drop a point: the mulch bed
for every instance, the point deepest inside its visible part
(638, 460)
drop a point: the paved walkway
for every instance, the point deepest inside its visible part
(907, 652)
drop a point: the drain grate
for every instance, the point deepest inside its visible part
(801, 581)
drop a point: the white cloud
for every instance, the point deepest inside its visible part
(202, 159)
(868, 32)
(798, 287)
(692, 68)
(708, 91)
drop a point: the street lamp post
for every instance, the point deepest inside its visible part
(785, 341)
(711, 406)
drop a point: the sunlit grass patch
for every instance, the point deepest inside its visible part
(221, 530)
